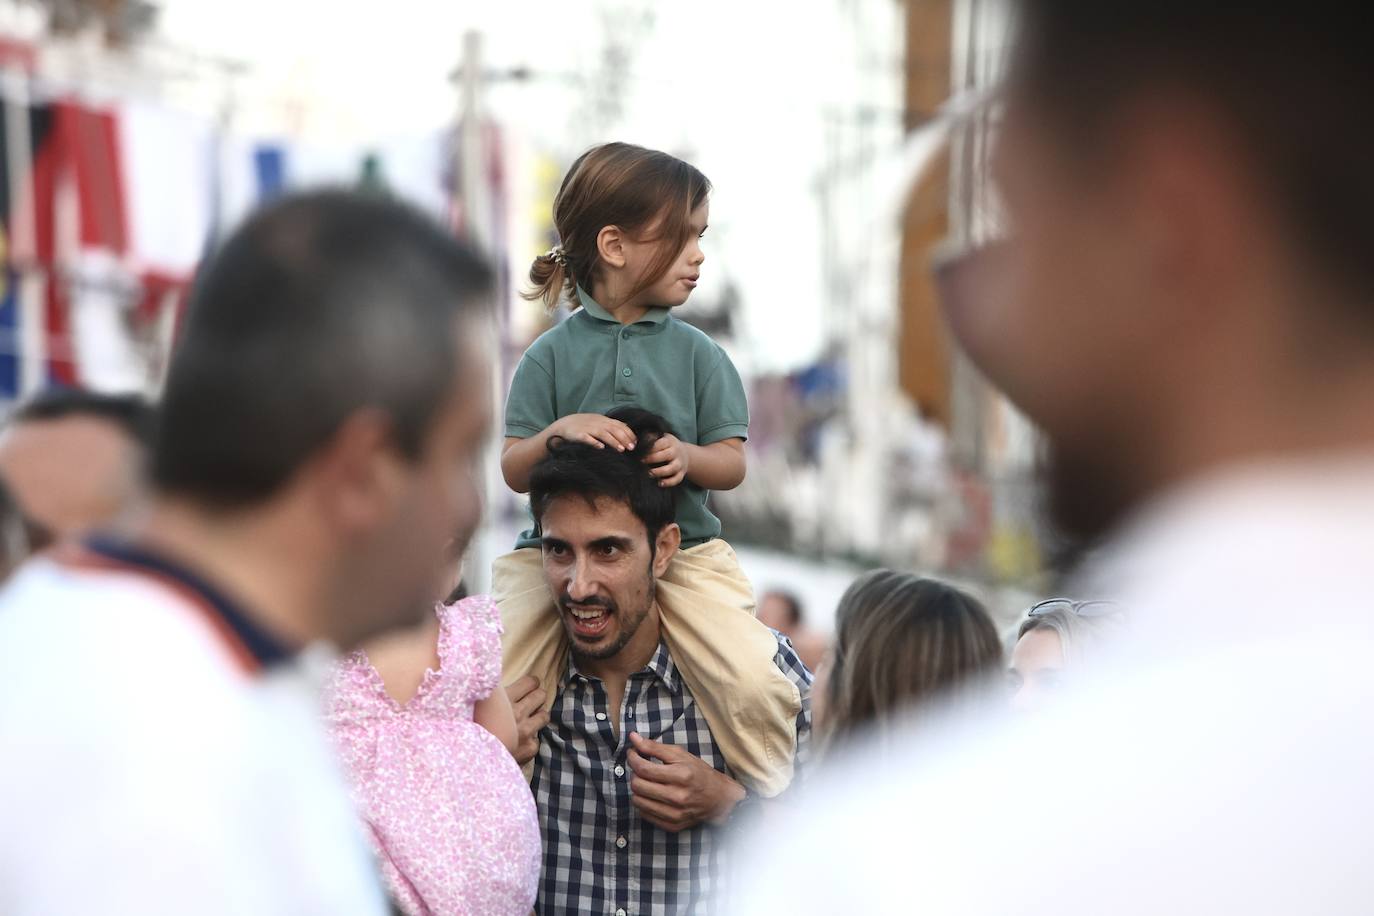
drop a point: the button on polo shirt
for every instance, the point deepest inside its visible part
(591, 363)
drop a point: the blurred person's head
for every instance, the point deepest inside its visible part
(781, 610)
(629, 221)
(608, 533)
(14, 534)
(1189, 282)
(901, 642)
(330, 383)
(76, 460)
(1057, 635)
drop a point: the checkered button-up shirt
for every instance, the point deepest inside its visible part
(600, 856)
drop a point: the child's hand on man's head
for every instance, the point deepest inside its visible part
(671, 460)
(595, 429)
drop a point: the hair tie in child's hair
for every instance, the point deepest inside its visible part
(557, 256)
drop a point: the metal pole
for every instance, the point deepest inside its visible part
(477, 226)
(470, 159)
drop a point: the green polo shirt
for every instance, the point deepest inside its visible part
(591, 363)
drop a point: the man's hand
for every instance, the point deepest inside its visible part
(674, 458)
(594, 429)
(527, 700)
(677, 790)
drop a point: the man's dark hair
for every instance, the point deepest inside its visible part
(132, 413)
(320, 305)
(15, 539)
(1294, 81)
(591, 473)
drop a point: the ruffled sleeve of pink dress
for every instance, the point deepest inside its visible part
(448, 810)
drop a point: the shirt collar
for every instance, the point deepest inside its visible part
(264, 649)
(593, 308)
(660, 666)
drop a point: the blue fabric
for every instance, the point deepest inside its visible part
(10, 368)
(265, 648)
(269, 162)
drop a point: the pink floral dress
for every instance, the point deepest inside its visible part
(450, 815)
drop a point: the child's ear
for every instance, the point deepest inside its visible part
(610, 245)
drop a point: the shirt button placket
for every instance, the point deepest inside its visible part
(625, 805)
(625, 372)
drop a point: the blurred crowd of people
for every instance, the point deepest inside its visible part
(240, 672)
(79, 465)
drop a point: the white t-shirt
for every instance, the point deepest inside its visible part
(146, 768)
(1223, 762)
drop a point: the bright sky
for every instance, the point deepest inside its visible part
(739, 88)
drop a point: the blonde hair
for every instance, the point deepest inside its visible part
(1077, 634)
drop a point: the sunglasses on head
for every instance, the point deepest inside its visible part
(1081, 608)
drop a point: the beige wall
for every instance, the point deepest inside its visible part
(923, 354)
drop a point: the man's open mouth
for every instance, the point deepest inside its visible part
(588, 622)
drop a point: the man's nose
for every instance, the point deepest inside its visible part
(581, 584)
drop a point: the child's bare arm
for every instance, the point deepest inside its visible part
(519, 456)
(718, 466)
(496, 716)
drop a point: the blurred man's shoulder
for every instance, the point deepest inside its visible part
(1209, 769)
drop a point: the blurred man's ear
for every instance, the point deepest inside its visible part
(666, 547)
(356, 474)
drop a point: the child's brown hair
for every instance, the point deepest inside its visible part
(622, 185)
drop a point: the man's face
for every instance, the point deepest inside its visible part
(72, 474)
(601, 571)
(1066, 317)
(775, 612)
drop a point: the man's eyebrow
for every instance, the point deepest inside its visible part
(620, 543)
(547, 541)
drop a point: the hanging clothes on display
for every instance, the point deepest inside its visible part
(27, 362)
(82, 235)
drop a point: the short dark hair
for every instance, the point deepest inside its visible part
(579, 469)
(132, 413)
(321, 304)
(1294, 81)
(15, 538)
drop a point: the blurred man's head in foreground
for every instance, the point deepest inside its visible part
(76, 460)
(331, 376)
(1190, 282)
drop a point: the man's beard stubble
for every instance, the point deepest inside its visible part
(629, 626)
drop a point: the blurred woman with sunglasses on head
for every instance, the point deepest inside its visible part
(1056, 635)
